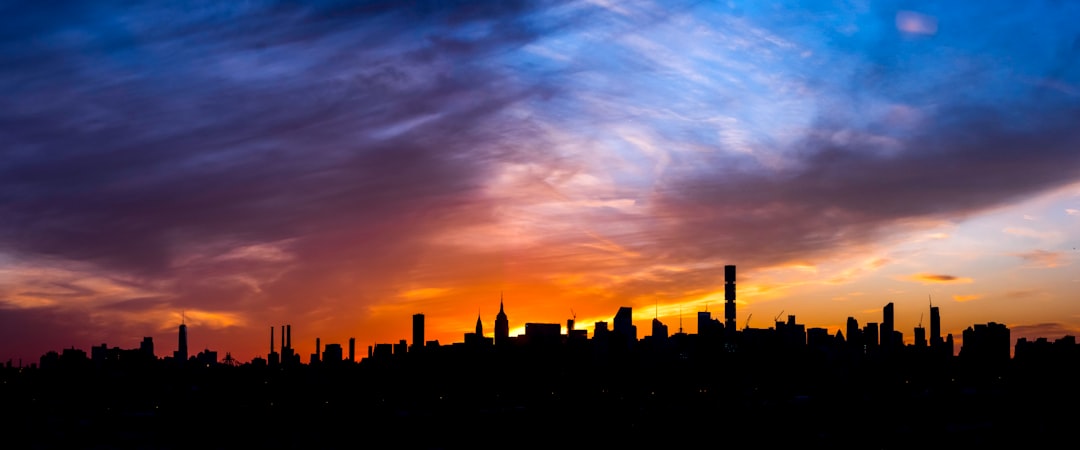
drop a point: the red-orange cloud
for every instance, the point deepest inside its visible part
(927, 278)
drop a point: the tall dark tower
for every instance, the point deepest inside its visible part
(417, 332)
(479, 326)
(181, 355)
(935, 327)
(352, 349)
(729, 297)
(502, 325)
(887, 327)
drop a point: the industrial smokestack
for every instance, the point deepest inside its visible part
(271, 339)
(288, 336)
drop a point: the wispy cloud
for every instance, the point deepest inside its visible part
(1042, 258)
(934, 278)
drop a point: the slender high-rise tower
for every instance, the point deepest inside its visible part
(935, 327)
(502, 325)
(417, 332)
(181, 355)
(729, 297)
(887, 327)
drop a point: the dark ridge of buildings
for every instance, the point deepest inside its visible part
(813, 385)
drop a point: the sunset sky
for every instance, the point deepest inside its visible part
(341, 166)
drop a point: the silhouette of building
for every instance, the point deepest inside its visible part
(729, 297)
(543, 333)
(707, 327)
(659, 330)
(317, 356)
(147, 347)
(870, 337)
(502, 325)
(352, 349)
(272, 358)
(601, 333)
(181, 354)
(476, 338)
(624, 323)
(792, 335)
(417, 332)
(854, 336)
(935, 327)
(886, 337)
(986, 343)
(332, 354)
(206, 358)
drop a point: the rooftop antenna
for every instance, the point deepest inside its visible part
(656, 310)
(680, 319)
(931, 300)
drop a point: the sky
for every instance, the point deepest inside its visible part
(341, 166)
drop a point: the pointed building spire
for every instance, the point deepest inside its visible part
(502, 324)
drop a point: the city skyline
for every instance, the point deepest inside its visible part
(341, 167)
(928, 336)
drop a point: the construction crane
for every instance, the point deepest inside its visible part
(920, 319)
(747, 324)
(777, 318)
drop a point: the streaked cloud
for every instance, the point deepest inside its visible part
(966, 297)
(342, 167)
(1042, 258)
(934, 278)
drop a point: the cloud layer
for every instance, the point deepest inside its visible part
(268, 162)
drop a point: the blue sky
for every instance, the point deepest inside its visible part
(343, 165)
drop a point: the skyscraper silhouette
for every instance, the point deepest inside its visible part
(502, 325)
(181, 354)
(935, 327)
(887, 328)
(417, 332)
(729, 297)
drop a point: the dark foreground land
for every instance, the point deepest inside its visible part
(547, 399)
